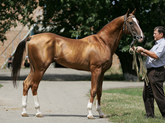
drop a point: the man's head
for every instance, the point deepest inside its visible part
(159, 32)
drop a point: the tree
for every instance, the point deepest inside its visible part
(73, 18)
(86, 17)
(13, 11)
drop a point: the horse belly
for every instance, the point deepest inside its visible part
(73, 59)
(73, 54)
(73, 63)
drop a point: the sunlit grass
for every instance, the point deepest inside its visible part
(126, 106)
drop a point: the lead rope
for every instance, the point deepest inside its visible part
(142, 69)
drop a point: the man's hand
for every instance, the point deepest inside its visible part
(139, 49)
(133, 48)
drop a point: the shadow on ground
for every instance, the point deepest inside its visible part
(66, 77)
(60, 115)
(54, 77)
(62, 74)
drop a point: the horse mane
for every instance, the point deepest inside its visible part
(110, 25)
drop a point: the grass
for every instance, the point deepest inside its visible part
(0, 85)
(126, 106)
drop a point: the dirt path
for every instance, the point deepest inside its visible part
(61, 101)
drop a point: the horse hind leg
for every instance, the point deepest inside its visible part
(24, 105)
(32, 81)
(34, 87)
(26, 86)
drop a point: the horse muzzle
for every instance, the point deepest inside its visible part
(140, 38)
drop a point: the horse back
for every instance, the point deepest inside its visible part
(72, 53)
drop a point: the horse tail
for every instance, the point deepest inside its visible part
(18, 56)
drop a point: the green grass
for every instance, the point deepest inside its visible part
(0, 85)
(126, 106)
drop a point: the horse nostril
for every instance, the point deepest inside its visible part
(141, 38)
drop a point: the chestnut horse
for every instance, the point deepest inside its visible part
(92, 53)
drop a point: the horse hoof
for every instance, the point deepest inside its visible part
(103, 116)
(25, 115)
(91, 117)
(39, 115)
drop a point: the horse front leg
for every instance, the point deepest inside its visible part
(99, 94)
(95, 77)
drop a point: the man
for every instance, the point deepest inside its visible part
(9, 62)
(26, 63)
(155, 72)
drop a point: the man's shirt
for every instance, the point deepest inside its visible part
(159, 50)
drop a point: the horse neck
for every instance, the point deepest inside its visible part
(112, 33)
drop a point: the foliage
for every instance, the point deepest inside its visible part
(0, 85)
(83, 18)
(86, 17)
(12, 11)
(77, 19)
(126, 105)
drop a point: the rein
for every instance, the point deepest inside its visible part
(141, 73)
(142, 70)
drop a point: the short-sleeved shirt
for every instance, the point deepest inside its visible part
(159, 50)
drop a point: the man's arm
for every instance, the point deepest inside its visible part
(146, 52)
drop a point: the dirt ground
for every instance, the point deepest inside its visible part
(62, 95)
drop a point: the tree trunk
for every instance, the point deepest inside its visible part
(126, 64)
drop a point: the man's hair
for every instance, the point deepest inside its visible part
(161, 29)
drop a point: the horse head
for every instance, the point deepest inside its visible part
(131, 26)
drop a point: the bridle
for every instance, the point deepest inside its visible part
(135, 66)
(135, 37)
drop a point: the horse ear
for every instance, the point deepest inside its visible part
(127, 14)
(134, 11)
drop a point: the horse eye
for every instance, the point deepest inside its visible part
(130, 23)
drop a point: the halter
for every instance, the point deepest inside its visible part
(135, 38)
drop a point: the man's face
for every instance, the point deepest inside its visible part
(157, 35)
